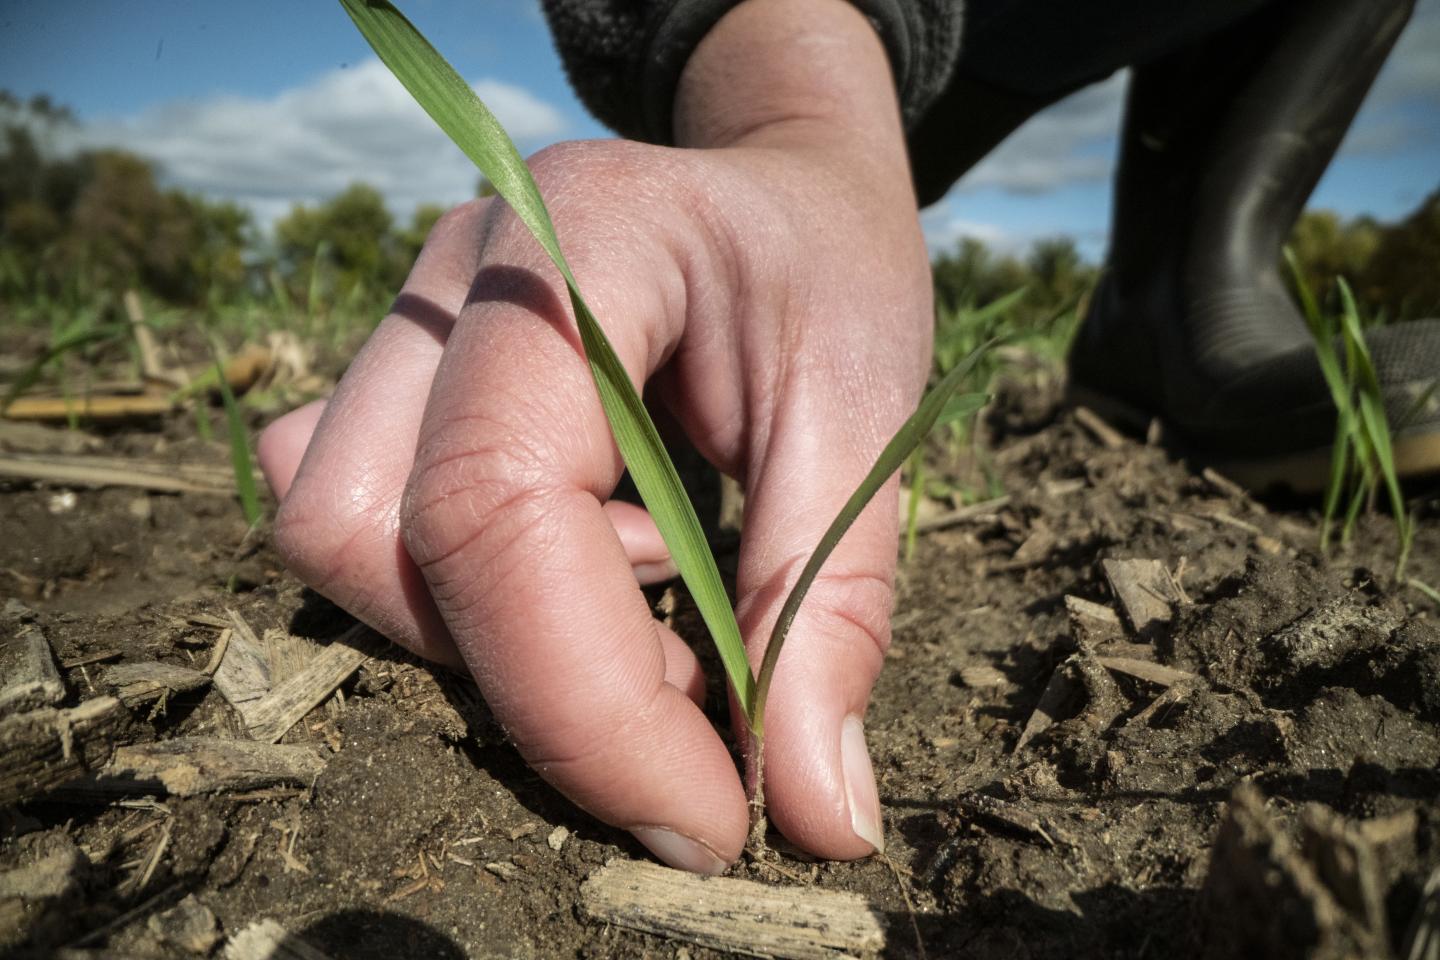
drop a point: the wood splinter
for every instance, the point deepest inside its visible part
(725, 913)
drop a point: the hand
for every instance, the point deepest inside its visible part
(772, 291)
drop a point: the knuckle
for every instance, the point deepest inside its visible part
(461, 216)
(320, 534)
(479, 500)
(571, 748)
(855, 610)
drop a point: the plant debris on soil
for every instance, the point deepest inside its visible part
(1128, 712)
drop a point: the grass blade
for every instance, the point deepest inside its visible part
(1426, 589)
(59, 348)
(240, 460)
(1372, 418)
(453, 105)
(912, 502)
(895, 453)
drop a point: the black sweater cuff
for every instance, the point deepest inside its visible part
(624, 57)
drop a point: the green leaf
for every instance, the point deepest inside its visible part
(240, 461)
(960, 406)
(59, 348)
(1426, 589)
(912, 502)
(910, 435)
(453, 105)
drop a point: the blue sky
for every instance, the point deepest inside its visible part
(270, 103)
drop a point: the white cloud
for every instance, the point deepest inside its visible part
(310, 142)
(1400, 110)
(1070, 142)
(944, 228)
(1073, 142)
(1413, 70)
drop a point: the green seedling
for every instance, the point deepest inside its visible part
(63, 344)
(1362, 459)
(960, 409)
(453, 105)
(240, 460)
(960, 332)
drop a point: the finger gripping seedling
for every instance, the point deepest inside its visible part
(454, 106)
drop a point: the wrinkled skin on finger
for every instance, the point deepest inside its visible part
(772, 293)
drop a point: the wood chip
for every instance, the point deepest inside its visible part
(27, 664)
(1092, 622)
(81, 470)
(1422, 940)
(723, 913)
(84, 660)
(42, 748)
(1160, 707)
(1145, 590)
(1063, 488)
(1124, 648)
(1223, 484)
(217, 652)
(1270, 545)
(189, 926)
(1266, 889)
(1109, 437)
(1058, 696)
(192, 766)
(984, 511)
(28, 437)
(90, 406)
(1220, 516)
(243, 675)
(277, 711)
(249, 677)
(980, 676)
(1036, 547)
(505, 871)
(1147, 670)
(1006, 817)
(137, 683)
(268, 940)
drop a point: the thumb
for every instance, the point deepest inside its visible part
(819, 785)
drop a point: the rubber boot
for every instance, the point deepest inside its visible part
(1224, 140)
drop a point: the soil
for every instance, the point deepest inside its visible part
(1313, 681)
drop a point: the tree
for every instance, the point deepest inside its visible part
(412, 238)
(1403, 276)
(1327, 247)
(350, 232)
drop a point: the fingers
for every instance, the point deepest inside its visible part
(646, 550)
(283, 444)
(503, 516)
(338, 523)
(820, 787)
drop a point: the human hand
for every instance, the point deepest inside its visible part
(772, 291)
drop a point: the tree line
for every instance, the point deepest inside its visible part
(73, 223)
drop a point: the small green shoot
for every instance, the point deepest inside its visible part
(959, 408)
(453, 105)
(63, 344)
(240, 460)
(1362, 459)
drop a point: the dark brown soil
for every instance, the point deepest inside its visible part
(426, 836)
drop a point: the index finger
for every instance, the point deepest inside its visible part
(503, 517)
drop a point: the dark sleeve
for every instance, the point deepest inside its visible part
(624, 57)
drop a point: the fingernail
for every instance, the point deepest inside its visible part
(648, 573)
(680, 851)
(860, 792)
